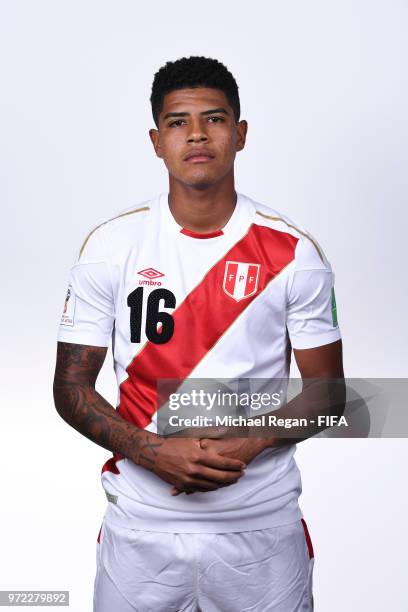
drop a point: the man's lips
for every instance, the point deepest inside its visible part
(199, 156)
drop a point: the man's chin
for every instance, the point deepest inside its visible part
(201, 186)
(199, 182)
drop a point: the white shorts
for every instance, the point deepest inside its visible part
(267, 570)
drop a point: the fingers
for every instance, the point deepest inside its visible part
(204, 469)
(206, 479)
(190, 490)
(220, 462)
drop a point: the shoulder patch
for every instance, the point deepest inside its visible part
(334, 308)
(68, 313)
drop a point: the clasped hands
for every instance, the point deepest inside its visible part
(208, 463)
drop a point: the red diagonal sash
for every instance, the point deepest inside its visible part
(200, 320)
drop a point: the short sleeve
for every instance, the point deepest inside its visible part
(311, 318)
(89, 312)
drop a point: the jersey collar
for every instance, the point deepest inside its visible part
(189, 234)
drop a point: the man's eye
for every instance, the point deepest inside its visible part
(176, 123)
(216, 119)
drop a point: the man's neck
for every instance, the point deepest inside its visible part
(202, 210)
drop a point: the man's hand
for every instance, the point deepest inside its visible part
(183, 463)
(242, 449)
(178, 461)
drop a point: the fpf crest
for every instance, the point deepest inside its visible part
(240, 279)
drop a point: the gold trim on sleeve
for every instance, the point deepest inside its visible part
(130, 212)
(295, 228)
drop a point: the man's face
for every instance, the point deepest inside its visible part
(195, 121)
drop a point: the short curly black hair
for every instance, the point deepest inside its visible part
(193, 71)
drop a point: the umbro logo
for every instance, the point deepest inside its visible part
(150, 274)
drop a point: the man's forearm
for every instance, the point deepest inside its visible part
(82, 407)
(320, 398)
(181, 463)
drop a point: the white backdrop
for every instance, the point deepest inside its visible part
(321, 87)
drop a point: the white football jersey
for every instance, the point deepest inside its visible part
(178, 305)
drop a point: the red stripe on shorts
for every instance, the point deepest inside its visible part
(308, 540)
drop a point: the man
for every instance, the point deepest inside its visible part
(200, 282)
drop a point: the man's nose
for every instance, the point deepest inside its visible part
(197, 132)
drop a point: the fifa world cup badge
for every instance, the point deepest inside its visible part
(69, 308)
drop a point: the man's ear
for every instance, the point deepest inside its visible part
(154, 137)
(242, 129)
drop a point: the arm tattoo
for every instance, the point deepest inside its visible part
(82, 407)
